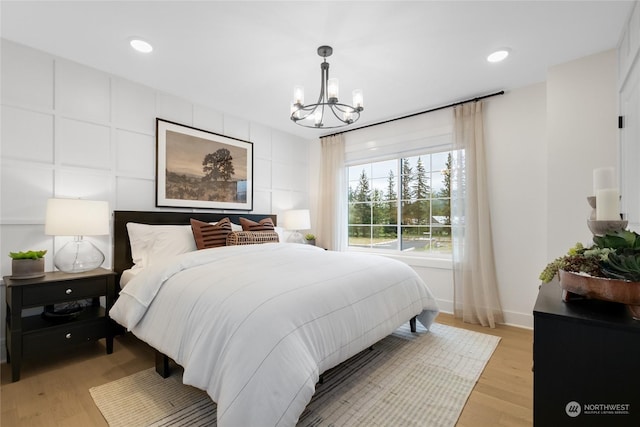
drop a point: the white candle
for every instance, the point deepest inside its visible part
(608, 204)
(603, 178)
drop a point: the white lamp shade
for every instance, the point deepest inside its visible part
(297, 219)
(75, 217)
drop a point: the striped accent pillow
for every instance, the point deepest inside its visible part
(210, 235)
(265, 224)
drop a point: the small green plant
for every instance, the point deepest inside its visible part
(616, 255)
(310, 236)
(27, 254)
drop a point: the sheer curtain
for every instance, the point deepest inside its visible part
(331, 216)
(475, 284)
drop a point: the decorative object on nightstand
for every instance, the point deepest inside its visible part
(32, 335)
(78, 218)
(605, 203)
(609, 269)
(27, 265)
(296, 220)
(310, 239)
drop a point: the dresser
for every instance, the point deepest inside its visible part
(37, 334)
(586, 362)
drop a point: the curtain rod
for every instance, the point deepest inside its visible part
(418, 113)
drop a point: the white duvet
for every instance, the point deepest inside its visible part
(256, 325)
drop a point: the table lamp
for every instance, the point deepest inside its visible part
(296, 220)
(78, 218)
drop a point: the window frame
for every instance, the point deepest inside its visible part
(428, 258)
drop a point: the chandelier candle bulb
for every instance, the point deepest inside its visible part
(332, 90)
(608, 204)
(603, 178)
(298, 95)
(358, 99)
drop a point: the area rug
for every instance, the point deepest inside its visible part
(406, 379)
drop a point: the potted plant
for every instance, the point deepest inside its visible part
(310, 239)
(27, 265)
(608, 270)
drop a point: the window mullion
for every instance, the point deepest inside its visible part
(399, 206)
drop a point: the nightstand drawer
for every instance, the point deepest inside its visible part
(64, 335)
(70, 290)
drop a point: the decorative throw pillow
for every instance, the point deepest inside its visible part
(265, 224)
(210, 235)
(251, 237)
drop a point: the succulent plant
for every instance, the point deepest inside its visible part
(622, 266)
(27, 254)
(619, 239)
(615, 255)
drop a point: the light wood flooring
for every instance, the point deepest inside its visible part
(53, 390)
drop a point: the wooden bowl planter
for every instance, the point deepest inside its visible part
(601, 288)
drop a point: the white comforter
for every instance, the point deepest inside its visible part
(255, 325)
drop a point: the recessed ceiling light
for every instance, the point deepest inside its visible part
(140, 45)
(498, 55)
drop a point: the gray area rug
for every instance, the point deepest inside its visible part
(421, 379)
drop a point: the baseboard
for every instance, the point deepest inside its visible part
(511, 318)
(520, 320)
(445, 306)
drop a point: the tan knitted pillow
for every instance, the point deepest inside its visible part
(251, 237)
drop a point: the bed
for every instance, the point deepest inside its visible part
(256, 325)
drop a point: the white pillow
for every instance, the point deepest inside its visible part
(151, 244)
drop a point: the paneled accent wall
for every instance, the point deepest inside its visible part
(73, 131)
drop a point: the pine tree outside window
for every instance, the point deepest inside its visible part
(401, 205)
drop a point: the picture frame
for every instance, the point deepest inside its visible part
(200, 169)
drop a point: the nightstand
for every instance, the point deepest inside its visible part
(35, 334)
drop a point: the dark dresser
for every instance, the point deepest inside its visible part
(586, 361)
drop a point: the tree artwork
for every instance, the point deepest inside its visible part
(218, 166)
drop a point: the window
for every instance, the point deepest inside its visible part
(401, 204)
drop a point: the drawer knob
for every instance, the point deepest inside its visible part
(68, 336)
(68, 291)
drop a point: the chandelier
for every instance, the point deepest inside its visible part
(313, 115)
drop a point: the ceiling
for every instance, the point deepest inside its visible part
(243, 58)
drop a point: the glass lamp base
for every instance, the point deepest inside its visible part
(78, 256)
(296, 237)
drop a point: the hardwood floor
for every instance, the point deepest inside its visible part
(53, 391)
(503, 395)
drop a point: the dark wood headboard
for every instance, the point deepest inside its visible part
(122, 249)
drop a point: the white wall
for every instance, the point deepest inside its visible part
(73, 131)
(515, 140)
(582, 135)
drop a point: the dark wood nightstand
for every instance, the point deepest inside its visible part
(34, 334)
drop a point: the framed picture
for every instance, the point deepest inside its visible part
(200, 169)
